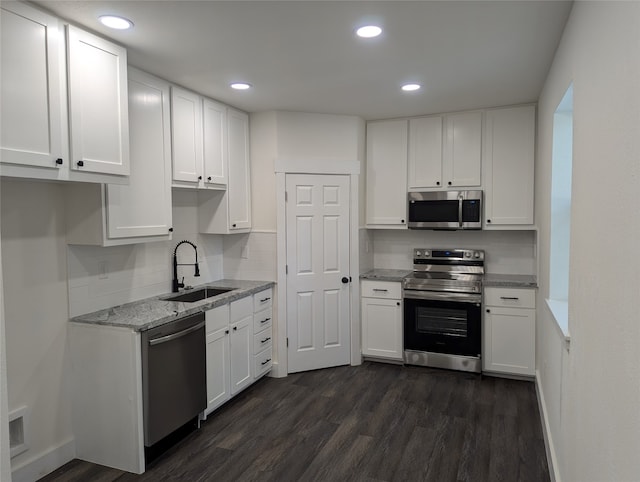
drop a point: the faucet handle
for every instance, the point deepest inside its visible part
(181, 283)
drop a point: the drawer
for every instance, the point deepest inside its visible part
(381, 289)
(262, 320)
(217, 318)
(240, 309)
(262, 340)
(262, 300)
(510, 297)
(262, 363)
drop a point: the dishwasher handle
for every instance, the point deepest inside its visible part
(173, 336)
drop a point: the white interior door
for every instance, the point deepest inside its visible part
(317, 261)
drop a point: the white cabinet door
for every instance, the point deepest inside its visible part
(387, 174)
(31, 102)
(98, 104)
(239, 174)
(214, 140)
(425, 153)
(241, 354)
(143, 208)
(218, 382)
(463, 149)
(186, 112)
(509, 341)
(382, 328)
(509, 166)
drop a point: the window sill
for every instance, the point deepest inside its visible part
(560, 312)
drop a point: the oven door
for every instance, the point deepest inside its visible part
(440, 322)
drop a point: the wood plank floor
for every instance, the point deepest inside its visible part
(374, 422)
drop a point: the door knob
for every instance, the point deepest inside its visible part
(345, 280)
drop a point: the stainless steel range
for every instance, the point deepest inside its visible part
(443, 309)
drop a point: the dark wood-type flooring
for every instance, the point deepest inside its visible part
(371, 422)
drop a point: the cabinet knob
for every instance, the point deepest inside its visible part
(437, 183)
(488, 310)
(449, 183)
(171, 230)
(80, 163)
(402, 221)
(488, 220)
(398, 303)
(209, 178)
(235, 328)
(59, 162)
(226, 332)
(199, 178)
(233, 225)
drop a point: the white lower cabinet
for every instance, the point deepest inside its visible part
(382, 319)
(509, 331)
(263, 338)
(241, 353)
(218, 381)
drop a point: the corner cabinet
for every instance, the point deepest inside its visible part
(509, 331)
(382, 320)
(386, 195)
(109, 214)
(229, 212)
(509, 166)
(98, 104)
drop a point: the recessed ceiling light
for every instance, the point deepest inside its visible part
(369, 31)
(411, 87)
(240, 86)
(113, 21)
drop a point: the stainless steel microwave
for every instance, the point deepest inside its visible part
(449, 210)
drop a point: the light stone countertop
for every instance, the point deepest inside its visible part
(386, 274)
(151, 312)
(495, 280)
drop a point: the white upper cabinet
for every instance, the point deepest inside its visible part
(387, 174)
(186, 135)
(239, 175)
(141, 211)
(509, 166)
(33, 127)
(425, 153)
(143, 208)
(214, 142)
(98, 104)
(463, 150)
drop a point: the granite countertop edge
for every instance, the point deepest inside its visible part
(151, 312)
(497, 280)
(386, 274)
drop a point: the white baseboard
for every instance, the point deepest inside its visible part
(38, 467)
(552, 459)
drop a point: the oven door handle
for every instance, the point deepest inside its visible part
(460, 198)
(438, 296)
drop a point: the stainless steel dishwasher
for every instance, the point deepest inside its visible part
(174, 380)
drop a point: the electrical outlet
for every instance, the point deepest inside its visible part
(103, 271)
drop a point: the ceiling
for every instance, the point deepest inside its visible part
(303, 55)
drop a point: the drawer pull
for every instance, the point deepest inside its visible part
(264, 300)
(265, 320)
(380, 290)
(266, 361)
(515, 298)
(266, 339)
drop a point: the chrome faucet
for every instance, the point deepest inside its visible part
(180, 284)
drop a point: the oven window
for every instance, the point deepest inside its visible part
(441, 321)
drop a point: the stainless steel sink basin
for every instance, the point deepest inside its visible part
(199, 294)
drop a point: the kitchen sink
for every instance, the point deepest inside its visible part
(199, 294)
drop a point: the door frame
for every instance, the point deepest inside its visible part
(328, 167)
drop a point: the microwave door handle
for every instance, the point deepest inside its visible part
(460, 197)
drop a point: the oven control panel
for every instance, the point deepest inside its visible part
(448, 254)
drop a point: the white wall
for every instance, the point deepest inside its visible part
(34, 272)
(506, 252)
(592, 392)
(140, 271)
(5, 464)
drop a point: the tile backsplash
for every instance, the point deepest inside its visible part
(506, 252)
